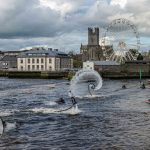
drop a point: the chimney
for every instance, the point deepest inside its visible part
(50, 49)
(56, 50)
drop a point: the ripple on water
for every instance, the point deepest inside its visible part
(117, 119)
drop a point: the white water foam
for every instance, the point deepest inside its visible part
(7, 112)
(50, 103)
(88, 96)
(72, 111)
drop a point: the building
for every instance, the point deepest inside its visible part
(1, 54)
(44, 60)
(92, 51)
(135, 66)
(8, 62)
(11, 53)
(110, 68)
(102, 66)
(88, 65)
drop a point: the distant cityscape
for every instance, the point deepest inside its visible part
(35, 59)
(91, 56)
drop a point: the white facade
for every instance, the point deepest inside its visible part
(38, 64)
(88, 65)
(43, 60)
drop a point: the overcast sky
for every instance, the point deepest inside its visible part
(63, 24)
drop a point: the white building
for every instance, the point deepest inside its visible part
(88, 65)
(44, 60)
(102, 66)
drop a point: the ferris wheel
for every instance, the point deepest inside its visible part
(121, 41)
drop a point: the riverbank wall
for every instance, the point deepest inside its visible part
(124, 75)
(68, 75)
(34, 74)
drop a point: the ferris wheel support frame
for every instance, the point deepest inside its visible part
(126, 52)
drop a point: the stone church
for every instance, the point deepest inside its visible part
(92, 51)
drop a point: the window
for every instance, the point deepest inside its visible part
(28, 67)
(37, 60)
(5, 64)
(57, 64)
(42, 67)
(21, 67)
(37, 67)
(33, 67)
(33, 61)
(28, 60)
(21, 61)
(50, 60)
(42, 61)
(50, 68)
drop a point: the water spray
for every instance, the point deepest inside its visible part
(84, 82)
(91, 86)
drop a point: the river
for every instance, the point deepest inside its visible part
(116, 119)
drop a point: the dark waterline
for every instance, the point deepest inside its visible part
(118, 119)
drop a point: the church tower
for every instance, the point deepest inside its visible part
(93, 36)
(92, 51)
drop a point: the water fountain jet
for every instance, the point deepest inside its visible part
(85, 82)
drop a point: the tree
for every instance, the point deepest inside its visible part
(77, 59)
(134, 52)
(140, 57)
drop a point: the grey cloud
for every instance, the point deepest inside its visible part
(27, 19)
(64, 42)
(26, 23)
(140, 15)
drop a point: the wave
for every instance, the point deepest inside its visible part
(72, 111)
(50, 103)
(7, 112)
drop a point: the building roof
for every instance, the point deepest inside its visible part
(1, 52)
(9, 58)
(11, 51)
(106, 63)
(43, 53)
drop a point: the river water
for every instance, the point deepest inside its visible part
(116, 119)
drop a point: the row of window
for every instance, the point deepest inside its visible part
(37, 67)
(37, 60)
(5, 64)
